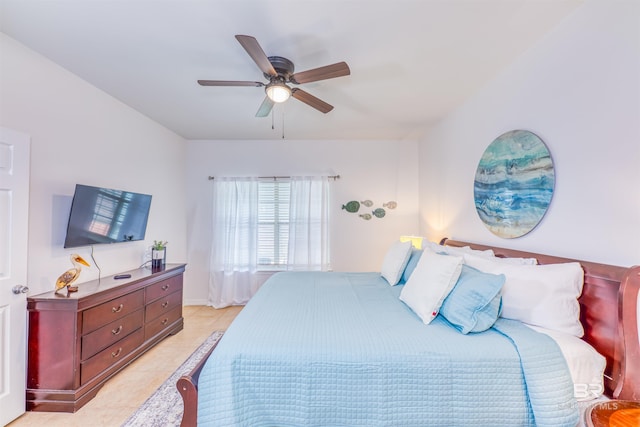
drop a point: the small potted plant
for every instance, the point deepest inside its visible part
(158, 254)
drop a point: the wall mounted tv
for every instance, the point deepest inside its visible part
(103, 215)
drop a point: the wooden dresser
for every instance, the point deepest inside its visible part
(78, 341)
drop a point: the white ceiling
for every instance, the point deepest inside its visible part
(412, 61)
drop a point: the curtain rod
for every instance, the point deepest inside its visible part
(334, 177)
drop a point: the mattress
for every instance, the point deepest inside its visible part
(340, 349)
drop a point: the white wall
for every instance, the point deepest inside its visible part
(82, 135)
(579, 90)
(378, 170)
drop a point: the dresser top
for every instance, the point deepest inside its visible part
(108, 285)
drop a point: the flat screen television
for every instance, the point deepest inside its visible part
(103, 215)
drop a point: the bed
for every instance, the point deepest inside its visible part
(357, 355)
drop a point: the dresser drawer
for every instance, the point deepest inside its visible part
(110, 356)
(162, 305)
(105, 336)
(158, 324)
(165, 287)
(109, 311)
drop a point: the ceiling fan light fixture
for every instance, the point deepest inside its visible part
(278, 92)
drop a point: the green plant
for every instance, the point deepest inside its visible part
(159, 245)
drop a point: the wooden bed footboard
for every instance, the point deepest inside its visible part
(188, 388)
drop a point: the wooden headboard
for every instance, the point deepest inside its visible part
(608, 312)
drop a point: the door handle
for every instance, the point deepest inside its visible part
(20, 289)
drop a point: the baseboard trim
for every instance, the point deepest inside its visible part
(195, 302)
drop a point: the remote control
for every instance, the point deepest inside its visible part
(122, 276)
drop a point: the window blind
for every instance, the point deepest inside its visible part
(273, 223)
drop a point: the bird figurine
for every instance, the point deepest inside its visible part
(72, 274)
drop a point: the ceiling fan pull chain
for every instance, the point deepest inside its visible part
(283, 122)
(273, 126)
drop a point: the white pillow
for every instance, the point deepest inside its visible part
(488, 253)
(517, 261)
(430, 283)
(585, 364)
(395, 261)
(541, 295)
(454, 250)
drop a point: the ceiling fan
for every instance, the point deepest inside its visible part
(280, 72)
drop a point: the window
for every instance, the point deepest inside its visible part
(273, 224)
(265, 224)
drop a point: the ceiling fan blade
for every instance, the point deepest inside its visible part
(228, 83)
(251, 45)
(311, 100)
(322, 73)
(265, 107)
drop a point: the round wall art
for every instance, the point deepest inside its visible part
(514, 184)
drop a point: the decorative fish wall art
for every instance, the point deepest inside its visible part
(379, 213)
(353, 206)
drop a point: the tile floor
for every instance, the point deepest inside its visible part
(125, 392)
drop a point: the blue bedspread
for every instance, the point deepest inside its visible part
(340, 349)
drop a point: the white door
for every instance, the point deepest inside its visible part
(14, 215)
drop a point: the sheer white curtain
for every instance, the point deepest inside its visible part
(233, 263)
(233, 277)
(308, 247)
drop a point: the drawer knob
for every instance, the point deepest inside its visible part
(117, 309)
(116, 353)
(165, 304)
(165, 287)
(164, 321)
(117, 330)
